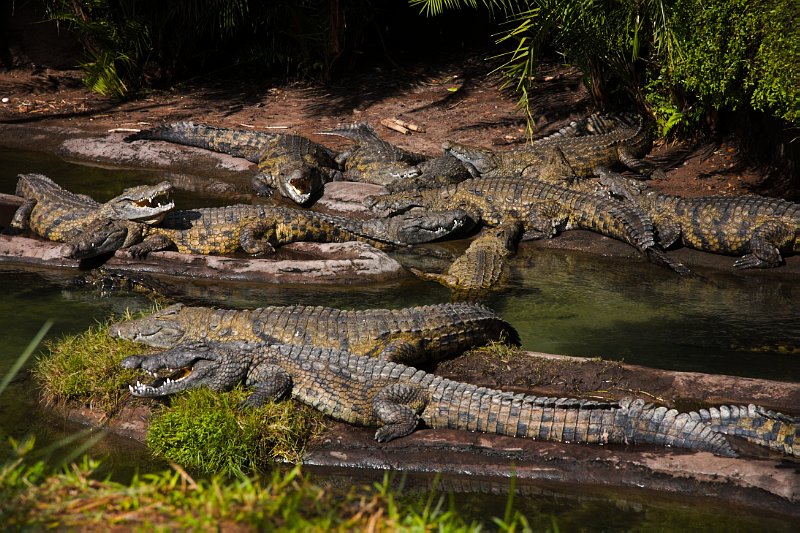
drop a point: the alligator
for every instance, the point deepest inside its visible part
(258, 229)
(411, 335)
(396, 398)
(598, 143)
(60, 215)
(756, 226)
(296, 166)
(373, 160)
(483, 265)
(542, 207)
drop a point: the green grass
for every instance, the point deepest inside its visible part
(74, 499)
(206, 431)
(85, 369)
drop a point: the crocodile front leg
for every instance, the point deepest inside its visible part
(269, 383)
(253, 241)
(397, 407)
(154, 243)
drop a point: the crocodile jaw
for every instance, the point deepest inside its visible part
(108, 236)
(301, 184)
(190, 377)
(147, 204)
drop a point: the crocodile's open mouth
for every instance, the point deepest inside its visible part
(152, 210)
(173, 380)
(149, 208)
(165, 378)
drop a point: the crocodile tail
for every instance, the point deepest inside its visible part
(238, 143)
(753, 423)
(659, 257)
(466, 407)
(645, 424)
(628, 223)
(358, 131)
(614, 219)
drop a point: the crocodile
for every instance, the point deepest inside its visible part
(623, 139)
(483, 265)
(544, 208)
(435, 172)
(396, 398)
(415, 334)
(294, 165)
(258, 229)
(60, 215)
(757, 226)
(373, 160)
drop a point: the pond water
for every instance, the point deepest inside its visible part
(560, 301)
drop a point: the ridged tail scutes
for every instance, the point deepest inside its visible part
(238, 143)
(659, 257)
(645, 424)
(776, 431)
(629, 421)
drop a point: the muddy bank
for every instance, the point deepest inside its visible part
(757, 480)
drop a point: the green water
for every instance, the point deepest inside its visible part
(560, 302)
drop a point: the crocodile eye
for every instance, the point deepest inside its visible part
(171, 310)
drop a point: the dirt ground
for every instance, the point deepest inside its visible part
(460, 100)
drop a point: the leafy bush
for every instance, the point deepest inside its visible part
(682, 59)
(738, 53)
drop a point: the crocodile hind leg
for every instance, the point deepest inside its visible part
(397, 407)
(765, 246)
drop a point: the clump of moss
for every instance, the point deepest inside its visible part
(206, 431)
(86, 368)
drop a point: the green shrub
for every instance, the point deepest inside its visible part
(682, 59)
(739, 53)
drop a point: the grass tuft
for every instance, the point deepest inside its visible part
(85, 369)
(206, 431)
(74, 499)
